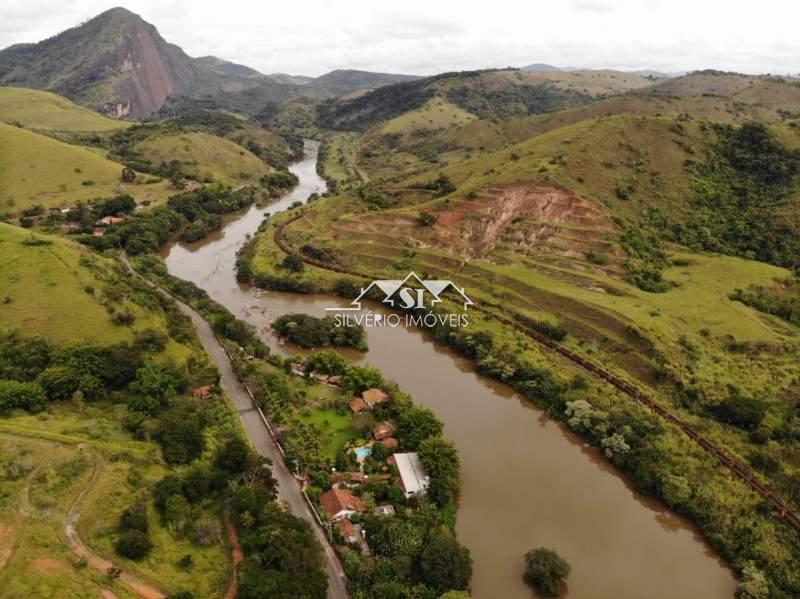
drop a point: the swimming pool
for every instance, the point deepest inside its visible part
(362, 453)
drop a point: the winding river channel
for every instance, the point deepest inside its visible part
(527, 481)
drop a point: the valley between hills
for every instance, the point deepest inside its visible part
(181, 416)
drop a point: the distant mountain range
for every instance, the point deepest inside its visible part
(119, 64)
(539, 67)
(344, 81)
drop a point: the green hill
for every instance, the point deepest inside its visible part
(34, 109)
(36, 169)
(436, 113)
(263, 142)
(488, 94)
(61, 290)
(204, 157)
(726, 98)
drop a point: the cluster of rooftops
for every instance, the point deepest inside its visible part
(339, 503)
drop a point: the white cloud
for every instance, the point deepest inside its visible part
(425, 37)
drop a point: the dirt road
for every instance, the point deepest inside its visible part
(144, 588)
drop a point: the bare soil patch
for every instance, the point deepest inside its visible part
(47, 565)
(6, 544)
(543, 209)
(528, 216)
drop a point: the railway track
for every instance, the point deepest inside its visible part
(734, 466)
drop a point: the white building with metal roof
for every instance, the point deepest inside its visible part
(412, 474)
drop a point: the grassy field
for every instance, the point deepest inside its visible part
(34, 109)
(205, 157)
(340, 162)
(35, 169)
(46, 286)
(437, 113)
(316, 406)
(338, 425)
(38, 563)
(56, 453)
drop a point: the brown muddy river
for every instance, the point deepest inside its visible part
(527, 481)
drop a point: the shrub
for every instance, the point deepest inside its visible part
(134, 544)
(545, 570)
(743, 412)
(150, 340)
(135, 518)
(595, 257)
(648, 279)
(372, 197)
(27, 396)
(292, 264)
(326, 362)
(360, 378)
(181, 433)
(59, 382)
(416, 424)
(439, 457)
(427, 219)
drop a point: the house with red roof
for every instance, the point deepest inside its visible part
(374, 396)
(339, 504)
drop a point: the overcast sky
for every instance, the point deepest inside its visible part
(311, 37)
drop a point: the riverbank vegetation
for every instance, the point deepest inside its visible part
(194, 214)
(314, 422)
(321, 435)
(312, 332)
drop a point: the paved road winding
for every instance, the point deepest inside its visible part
(288, 488)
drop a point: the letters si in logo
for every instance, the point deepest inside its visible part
(400, 294)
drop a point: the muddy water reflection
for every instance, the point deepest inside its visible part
(527, 482)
